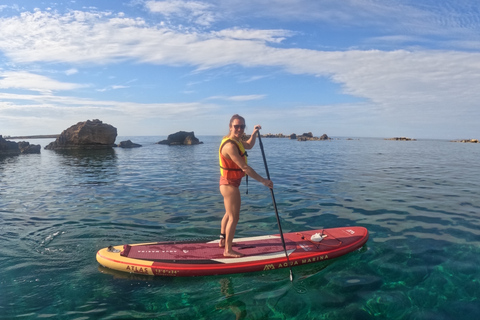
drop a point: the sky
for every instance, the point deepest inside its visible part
(349, 68)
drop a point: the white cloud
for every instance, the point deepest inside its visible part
(274, 36)
(400, 80)
(76, 37)
(20, 114)
(71, 71)
(392, 83)
(194, 11)
(247, 97)
(449, 22)
(33, 82)
(112, 87)
(81, 37)
(177, 7)
(239, 98)
(24, 104)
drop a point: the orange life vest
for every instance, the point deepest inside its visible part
(228, 168)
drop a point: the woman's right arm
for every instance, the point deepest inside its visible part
(230, 150)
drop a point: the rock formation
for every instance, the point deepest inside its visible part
(14, 148)
(467, 141)
(402, 139)
(26, 147)
(8, 147)
(309, 137)
(86, 135)
(304, 137)
(181, 138)
(128, 144)
(272, 135)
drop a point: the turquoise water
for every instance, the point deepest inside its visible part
(420, 201)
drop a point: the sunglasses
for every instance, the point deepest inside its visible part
(239, 126)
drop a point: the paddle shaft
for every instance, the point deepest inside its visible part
(275, 205)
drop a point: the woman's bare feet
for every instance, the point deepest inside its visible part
(232, 254)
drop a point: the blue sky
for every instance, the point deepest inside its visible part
(350, 68)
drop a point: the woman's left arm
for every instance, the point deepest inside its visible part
(251, 142)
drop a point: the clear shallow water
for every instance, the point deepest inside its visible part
(420, 201)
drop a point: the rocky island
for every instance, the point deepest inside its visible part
(128, 144)
(401, 139)
(304, 137)
(14, 148)
(467, 141)
(92, 134)
(309, 137)
(181, 138)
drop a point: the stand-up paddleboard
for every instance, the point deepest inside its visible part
(182, 259)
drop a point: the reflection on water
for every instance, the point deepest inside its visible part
(232, 303)
(87, 158)
(89, 166)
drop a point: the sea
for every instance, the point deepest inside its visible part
(419, 200)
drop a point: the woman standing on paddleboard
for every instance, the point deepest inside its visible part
(233, 167)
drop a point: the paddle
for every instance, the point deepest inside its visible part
(275, 205)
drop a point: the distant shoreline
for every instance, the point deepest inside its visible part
(45, 136)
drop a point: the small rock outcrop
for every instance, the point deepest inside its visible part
(14, 148)
(8, 147)
(26, 147)
(467, 141)
(273, 135)
(309, 137)
(181, 138)
(128, 144)
(92, 134)
(304, 137)
(402, 139)
(323, 137)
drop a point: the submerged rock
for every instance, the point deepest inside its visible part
(181, 138)
(86, 135)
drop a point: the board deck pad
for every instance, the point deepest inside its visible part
(202, 252)
(194, 258)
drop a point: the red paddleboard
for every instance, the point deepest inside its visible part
(182, 259)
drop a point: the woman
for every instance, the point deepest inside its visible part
(233, 166)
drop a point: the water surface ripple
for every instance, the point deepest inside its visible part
(419, 200)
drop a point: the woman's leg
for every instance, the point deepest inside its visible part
(223, 226)
(232, 201)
